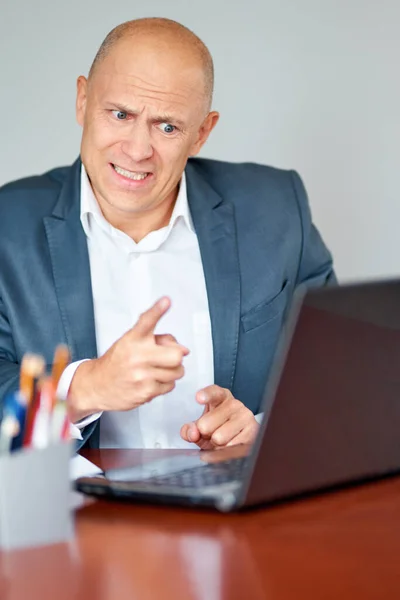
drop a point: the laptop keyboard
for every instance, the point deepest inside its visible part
(199, 477)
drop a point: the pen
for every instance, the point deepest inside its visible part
(60, 362)
(33, 416)
(13, 422)
(9, 429)
(32, 368)
(40, 435)
(59, 426)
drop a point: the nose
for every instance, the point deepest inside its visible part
(138, 145)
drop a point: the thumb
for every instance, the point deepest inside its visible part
(166, 339)
(190, 433)
(148, 320)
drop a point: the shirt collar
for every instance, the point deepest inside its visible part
(90, 206)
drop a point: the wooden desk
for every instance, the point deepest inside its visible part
(339, 546)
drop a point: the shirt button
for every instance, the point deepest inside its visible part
(157, 445)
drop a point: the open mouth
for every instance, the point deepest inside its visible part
(133, 175)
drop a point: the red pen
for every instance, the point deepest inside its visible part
(41, 433)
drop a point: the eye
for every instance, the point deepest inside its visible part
(120, 115)
(167, 127)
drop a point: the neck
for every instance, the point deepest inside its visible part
(138, 225)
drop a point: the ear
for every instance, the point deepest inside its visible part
(81, 99)
(206, 128)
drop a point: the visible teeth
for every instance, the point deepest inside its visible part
(130, 174)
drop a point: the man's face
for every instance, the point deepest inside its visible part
(143, 114)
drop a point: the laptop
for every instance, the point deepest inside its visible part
(331, 412)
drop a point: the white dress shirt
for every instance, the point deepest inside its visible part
(127, 278)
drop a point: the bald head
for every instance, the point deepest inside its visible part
(144, 110)
(157, 32)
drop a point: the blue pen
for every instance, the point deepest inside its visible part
(13, 421)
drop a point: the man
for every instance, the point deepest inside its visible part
(168, 278)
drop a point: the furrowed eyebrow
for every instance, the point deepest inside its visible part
(162, 118)
(168, 119)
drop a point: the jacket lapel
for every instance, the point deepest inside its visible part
(71, 270)
(214, 222)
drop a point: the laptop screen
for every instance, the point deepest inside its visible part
(333, 401)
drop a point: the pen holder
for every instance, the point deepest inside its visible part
(35, 495)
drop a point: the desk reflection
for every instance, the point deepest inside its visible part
(176, 557)
(46, 573)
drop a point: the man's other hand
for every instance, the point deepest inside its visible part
(224, 422)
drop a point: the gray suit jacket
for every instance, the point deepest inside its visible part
(257, 243)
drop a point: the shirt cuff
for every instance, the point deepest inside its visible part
(62, 393)
(259, 418)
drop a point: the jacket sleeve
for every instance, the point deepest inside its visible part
(315, 265)
(10, 370)
(9, 367)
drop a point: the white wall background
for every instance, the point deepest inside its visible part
(307, 84)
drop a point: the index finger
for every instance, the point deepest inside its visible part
(213, 395)
(148, 320)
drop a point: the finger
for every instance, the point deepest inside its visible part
(190, 433)
(145, 377)
(165, 357)
(149, 319)
(153, 389)
(211, 420)
(206, 444)
(213, 395)
(148, 391)
(227, 432)
(164, 388)
(167, 375)
(167, 339)
(246, 436)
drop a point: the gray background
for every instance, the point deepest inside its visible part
(305, 84)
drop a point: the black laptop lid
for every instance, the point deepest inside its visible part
(334, 392)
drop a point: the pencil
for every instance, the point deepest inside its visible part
(32, 367)
(60, 362)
